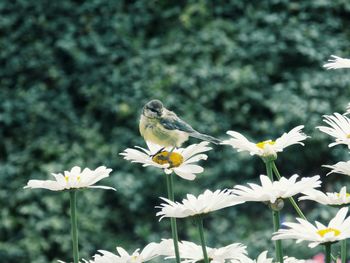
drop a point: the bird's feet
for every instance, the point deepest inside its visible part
(165, 157)
(159, 151)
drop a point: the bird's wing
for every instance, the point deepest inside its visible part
(172, 122)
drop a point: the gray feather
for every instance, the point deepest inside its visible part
(172, 122)
(205, 137)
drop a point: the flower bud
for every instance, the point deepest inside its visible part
(277, 205)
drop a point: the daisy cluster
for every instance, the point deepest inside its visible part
(271, 189)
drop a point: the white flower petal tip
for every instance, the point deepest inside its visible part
(294, 260)
(205, 203)
(268, 147)
(347, 112)
(337, 229)
(340, 168)
(181, 161)
(262, 258)
(335, 199)
(270, 191)
(192, 253)
(339, 128)
(151, 251)
(73, 179)
(336, 62)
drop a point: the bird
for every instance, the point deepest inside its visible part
(163, 127)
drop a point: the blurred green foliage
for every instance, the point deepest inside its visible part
(75, 75)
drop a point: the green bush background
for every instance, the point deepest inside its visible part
(75, 75)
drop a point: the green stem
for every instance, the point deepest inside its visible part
(268, 166)
(170, 187)
(278, 243)
(74, 224)
(291, 199)
(276, 218)
(199, 220)
(343, 251)
(328, 252)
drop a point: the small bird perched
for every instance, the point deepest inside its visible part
(163, 127)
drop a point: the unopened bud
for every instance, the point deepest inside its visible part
(277, 205)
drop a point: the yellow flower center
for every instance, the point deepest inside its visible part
(66, 178)
(262, 144)
(348, 136)
(173, 159)
(347, 195)
(133, 258)
(325, 231)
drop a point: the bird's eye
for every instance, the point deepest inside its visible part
(153, 110)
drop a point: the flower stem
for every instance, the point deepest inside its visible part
(199, 220)
(278, 243)
(343, 251)
(328, 252)
(291, 199)
(275, 218)
(74, 224)
(170, 187)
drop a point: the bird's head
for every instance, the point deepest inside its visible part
(153, 109)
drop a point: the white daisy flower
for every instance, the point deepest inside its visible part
(75, 178)
(337, 229)
(268, 147)
(341, 198)
(340, 168)
(294, 260)
(262, 258)
(191, 252)
(180, 161)
(149, 252)
(205, 203)
(270, 191)
(336, 62)
(339, 129)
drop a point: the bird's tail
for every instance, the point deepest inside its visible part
(205, 137)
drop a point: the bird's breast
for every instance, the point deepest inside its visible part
(152, 130)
